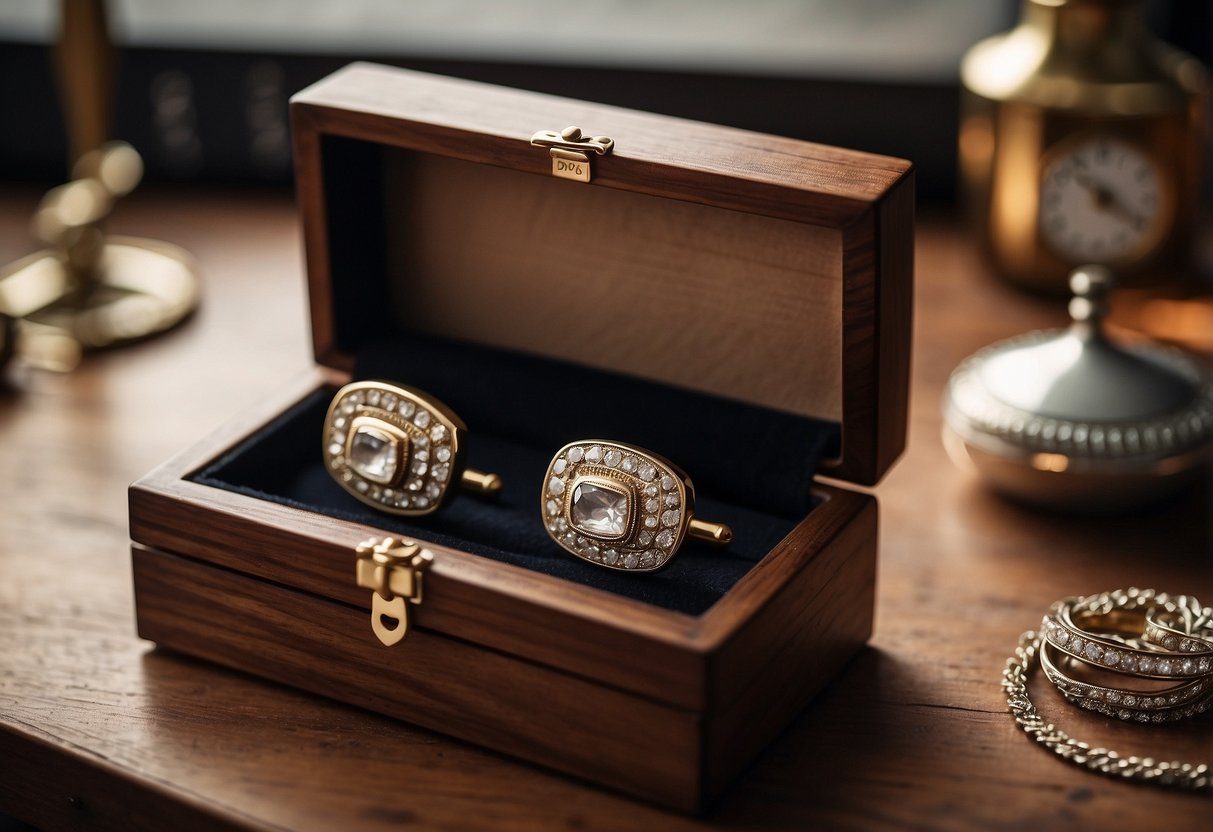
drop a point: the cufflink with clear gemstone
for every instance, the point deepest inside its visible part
(398, 449)
(621, 507)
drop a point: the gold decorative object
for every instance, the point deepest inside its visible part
(621, 507)
(1080, 142)
(90, 290)
(1070, 420)
(398, 449)
(393, 569)
(570, 151)
(86, 61)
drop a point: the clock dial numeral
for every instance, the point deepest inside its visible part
(1099, 201)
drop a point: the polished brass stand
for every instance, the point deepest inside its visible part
(88, 290)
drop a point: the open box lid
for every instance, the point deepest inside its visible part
(755, 251)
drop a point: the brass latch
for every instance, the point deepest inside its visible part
(571, 151)
(393, 568)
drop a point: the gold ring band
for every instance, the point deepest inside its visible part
(1142, 705)
(1136, 633)
(1182, 625)
(1109, 639)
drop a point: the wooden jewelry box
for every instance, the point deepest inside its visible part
(738, 303)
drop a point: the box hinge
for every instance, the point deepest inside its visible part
(393, 568)
(570, 151)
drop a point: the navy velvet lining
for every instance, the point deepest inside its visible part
(734, 452)
(515, 437)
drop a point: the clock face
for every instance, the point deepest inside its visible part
(1101, 201)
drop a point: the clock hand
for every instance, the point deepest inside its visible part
(1106, 200)
(1124, 212)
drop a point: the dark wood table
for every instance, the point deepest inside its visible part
(98, 729)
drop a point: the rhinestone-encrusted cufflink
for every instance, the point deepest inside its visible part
(398, 449)
(621, 507)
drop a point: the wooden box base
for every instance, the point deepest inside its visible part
(674, 757)
(657, 704)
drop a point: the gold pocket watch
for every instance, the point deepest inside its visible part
(1080, 142)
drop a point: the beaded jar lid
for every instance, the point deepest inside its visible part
(1071, 419)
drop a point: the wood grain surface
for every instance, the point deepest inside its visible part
(98, 730)
(630, 743)
(570, 262)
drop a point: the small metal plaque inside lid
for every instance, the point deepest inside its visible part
(1071, 420)
(570, 151)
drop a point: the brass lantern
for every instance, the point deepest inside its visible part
(1080, 142)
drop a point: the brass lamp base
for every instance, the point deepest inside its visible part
(90, 290)
(141, 288)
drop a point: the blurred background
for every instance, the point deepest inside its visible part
(201, 88)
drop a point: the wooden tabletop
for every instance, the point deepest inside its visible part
(98, 729)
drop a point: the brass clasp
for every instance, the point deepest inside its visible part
(570, 151)
(393, 569)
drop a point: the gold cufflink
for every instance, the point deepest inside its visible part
(621, 507)
(397, 449)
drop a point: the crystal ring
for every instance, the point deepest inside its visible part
(1183, 625)
(621, 507)
(398, 449)
(1143, 704)
(1106, 635)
